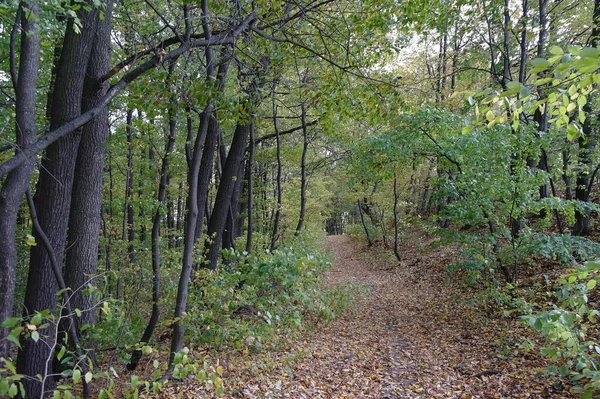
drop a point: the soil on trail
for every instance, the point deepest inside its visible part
(412, 335)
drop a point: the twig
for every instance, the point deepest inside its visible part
(486, 372)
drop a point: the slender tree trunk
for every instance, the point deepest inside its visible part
(587, 144)
(206, 171)
(192, 199)
(128, 214)
(17, 181)
(396, 233)
(300, 225)
(234, 223)
(275, 235)
(540, 116)
(211, 141)
(566, 175)
(362, 221)
(250, 191)
(155, 234)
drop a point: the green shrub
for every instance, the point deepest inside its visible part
(570, 329)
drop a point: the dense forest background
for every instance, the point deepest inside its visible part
(168, 170)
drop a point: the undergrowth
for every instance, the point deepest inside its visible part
(247, 304)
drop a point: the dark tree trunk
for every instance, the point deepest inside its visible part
(193, 178)
(249, 191)
(218, 218)
(53, 198)
(396, 227)
(211, 141)
(300, 225)
(189, 232)
(540, 117)
(362, 221)
(86, 199)
(566, 175)
(206, 171)
(17, 181)
(234, 223)
(275, 235)
(128, 216)
(587, 144)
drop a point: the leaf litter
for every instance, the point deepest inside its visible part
(414, 334)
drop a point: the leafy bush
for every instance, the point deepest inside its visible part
(570, 328)
(253, 297)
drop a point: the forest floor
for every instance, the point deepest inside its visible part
(412, 334)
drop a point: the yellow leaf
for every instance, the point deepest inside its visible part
(31, 240)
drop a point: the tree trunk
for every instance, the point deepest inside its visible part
(192, 199)
(249, 191)
(128, 215)
(155, 234)
(362, 221)
(300, 225)
(587, 144)
(218, 218)
(86, 199)
(275, 235)
(53, 199)
(17, 181)
(396, 237)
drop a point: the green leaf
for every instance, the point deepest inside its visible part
(574, 50)
(36, 319)
(540, 62)
(587, 395)
(14, 340)
(10, 322)
(564, 370)
(543, 81)
(572, 132)
(591, 284)
(590, 52)
(35, 336)
(556, 50)
(13, 390)
(76, 376)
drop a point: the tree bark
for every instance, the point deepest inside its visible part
(587, 144)
(275, 234)
(53, 198)
(218, 218)
(249, 191)
(17, 181)
(303, 183)
(192, 201)
(128, 215)
(86, 198)
(396, 235)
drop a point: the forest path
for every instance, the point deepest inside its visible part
(411, 335)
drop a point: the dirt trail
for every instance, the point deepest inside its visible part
(410, 336)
